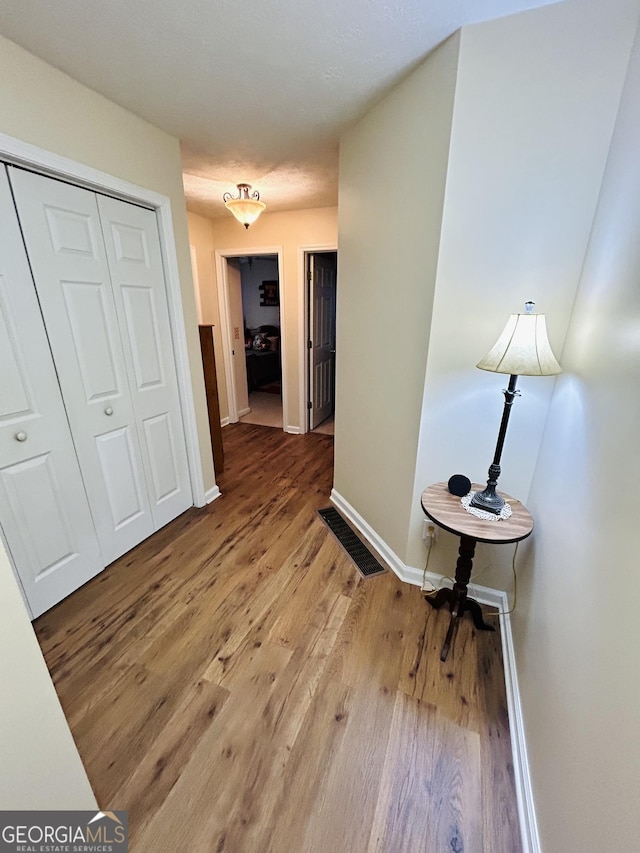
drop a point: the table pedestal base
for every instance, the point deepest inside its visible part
(456, 598)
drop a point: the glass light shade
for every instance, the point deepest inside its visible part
(247, 207)
(522, 349)
(245, 210)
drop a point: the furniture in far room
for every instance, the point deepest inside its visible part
(263, 357)
(211, 390)
(446, 510)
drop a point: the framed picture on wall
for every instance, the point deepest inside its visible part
(269, 294)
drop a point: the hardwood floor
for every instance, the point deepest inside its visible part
(237, 686)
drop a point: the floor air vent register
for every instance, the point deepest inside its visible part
(365, 562)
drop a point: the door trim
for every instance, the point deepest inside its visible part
(20, 153)
(303, 319)
(221, 258)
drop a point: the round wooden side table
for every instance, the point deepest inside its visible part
(446, 510)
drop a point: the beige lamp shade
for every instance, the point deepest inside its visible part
(522, 349)
(247, 207)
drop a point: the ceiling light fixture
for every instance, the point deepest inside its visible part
(247, 207)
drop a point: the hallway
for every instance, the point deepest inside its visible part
(236, 685)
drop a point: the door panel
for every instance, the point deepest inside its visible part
(87, 311)
(34, 491)
(71, 232)
(322, 390)
(44, 510)
(125, 491)
(16, 401)
(63, 235)
(162, 453)
(135, 264)
(142, 326)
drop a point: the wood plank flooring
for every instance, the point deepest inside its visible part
(237, 686)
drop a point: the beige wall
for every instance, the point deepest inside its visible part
(40, 765)
(427, 287)
(393, 167)
(41, 106)
(536, 101)
(577, 629)
(290, 231)
(201, 241)
(46, 108)
(535, 107)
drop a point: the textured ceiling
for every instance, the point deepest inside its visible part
(257, 91)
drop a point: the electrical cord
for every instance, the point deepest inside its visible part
(515, 587)
(429, 593)
(424, 573)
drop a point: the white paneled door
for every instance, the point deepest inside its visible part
(135, 264)
(63, 236)
(322, 324)
(44, 510)
(98, 273)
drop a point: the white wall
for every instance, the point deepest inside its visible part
(577, 629)
(39, 764)
(393, 167)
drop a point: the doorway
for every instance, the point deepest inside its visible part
(321, 278)
(251, 296)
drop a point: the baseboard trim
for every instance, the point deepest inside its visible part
(211, 494)
(495, 598)
(293, 430)
(408, 574)
(521, 771)
(405, 573)
(225, 422)
(243, 412)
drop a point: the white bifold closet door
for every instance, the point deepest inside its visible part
(43, 506)
(98, 273)
(137, 276)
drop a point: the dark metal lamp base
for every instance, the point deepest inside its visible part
(488, 500)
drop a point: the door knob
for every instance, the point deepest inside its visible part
(21, 436)
(108, 410)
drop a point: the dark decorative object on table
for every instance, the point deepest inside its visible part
(459, 485)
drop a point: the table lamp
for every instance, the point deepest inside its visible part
(522, 349)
